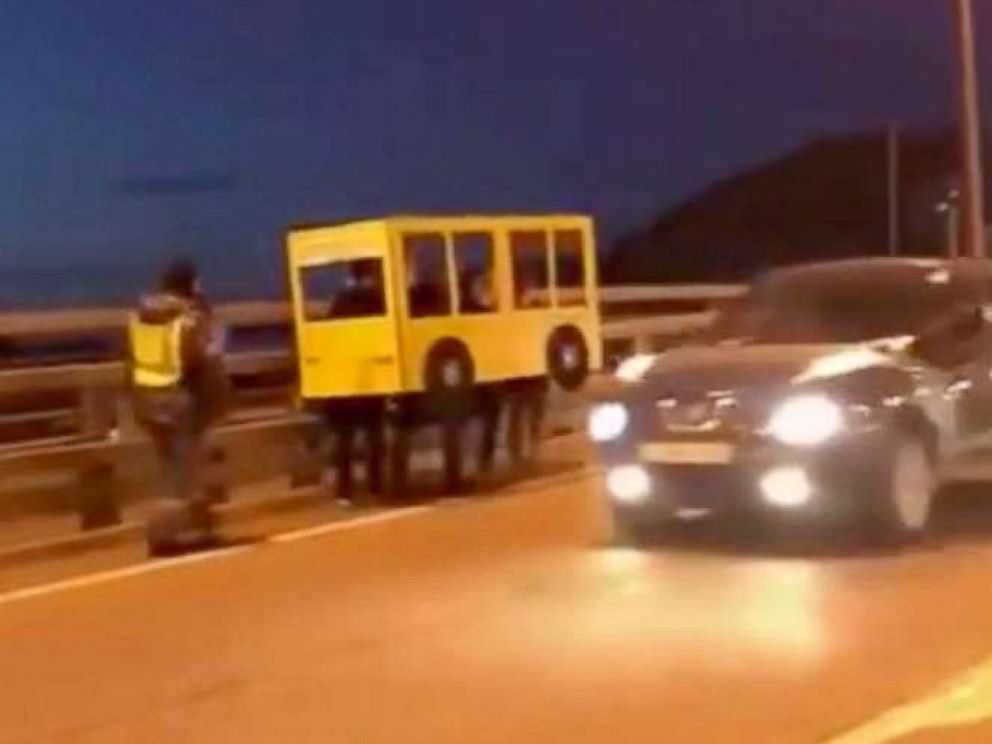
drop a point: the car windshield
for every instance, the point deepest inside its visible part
(842, 304)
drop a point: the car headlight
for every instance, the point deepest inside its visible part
(629, 484)
(806, 421)
(607, 421)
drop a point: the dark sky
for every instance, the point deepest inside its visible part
(130, 126)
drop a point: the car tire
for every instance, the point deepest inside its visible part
(449, 377)
(900, 498)
(568, 357)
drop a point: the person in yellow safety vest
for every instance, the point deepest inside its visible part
(172, 368)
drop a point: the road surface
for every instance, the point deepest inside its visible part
(509, 618)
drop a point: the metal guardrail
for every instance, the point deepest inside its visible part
(671, 292)
(102, 429)
(641, 331)
(61, 322)
(95, 381)
(637, 330)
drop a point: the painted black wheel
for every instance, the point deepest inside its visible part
(568, 357)
(449, 377)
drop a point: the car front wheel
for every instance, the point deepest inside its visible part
(900, 506)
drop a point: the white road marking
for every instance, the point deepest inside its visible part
(349, 524)
(126, 572)
(116, 574)
(140, 569)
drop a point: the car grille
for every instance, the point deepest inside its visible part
(699, 416)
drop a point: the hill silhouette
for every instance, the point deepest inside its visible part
(828, 199)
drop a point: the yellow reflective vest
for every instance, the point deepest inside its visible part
(156, 352)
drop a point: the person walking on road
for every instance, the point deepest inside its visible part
(349, 418)
(179, 390)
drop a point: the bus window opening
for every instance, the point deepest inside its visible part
(530, 269)
(476, 277)
(343, 290)
(428, 288)
(570, 275)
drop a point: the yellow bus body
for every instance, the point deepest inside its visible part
(386, 354)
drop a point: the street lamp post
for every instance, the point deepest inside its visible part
(972, 208)
(892, 148)
(950, 209)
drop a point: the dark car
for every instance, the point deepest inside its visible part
(845, 389)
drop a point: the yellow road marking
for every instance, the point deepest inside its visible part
(964, 702)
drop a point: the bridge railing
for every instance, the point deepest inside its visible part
(615, 301)
(73, 415)
(77, 385)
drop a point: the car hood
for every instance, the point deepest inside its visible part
(727, 369)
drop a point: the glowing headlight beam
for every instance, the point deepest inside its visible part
(806, 421)
(629, 484)
(786, 487)
(608, 421)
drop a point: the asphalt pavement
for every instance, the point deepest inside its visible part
(508, 617)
